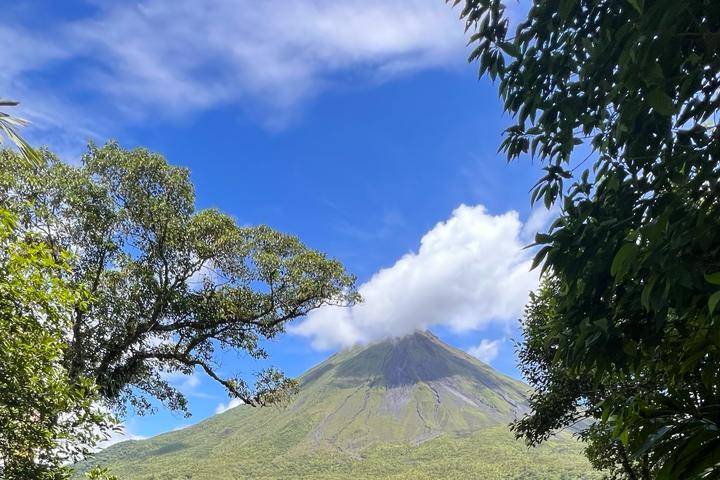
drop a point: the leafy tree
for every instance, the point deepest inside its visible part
(560, 398)
(632, 86)
(45, 419)
(168, 285)
(611, 456)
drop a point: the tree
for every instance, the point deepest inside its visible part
(632, 86)
(560, 399)
(168, 285)
(45, 419)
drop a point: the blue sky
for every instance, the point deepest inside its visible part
(355, 125)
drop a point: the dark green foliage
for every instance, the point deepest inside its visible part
(99, 473)
(635, 250)
(166, 284)
(561, 398)
(610, 455)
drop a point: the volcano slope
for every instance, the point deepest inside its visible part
(413, 408)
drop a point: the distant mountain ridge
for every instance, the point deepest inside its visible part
(412, 407)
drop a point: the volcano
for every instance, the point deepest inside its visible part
(406, 408)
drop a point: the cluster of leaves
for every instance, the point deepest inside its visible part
(46, 420)
(167, 285)
(100, 473)
(635, 85)
(560, 398)
(8, 127)
(611, 456)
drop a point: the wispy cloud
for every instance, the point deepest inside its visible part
(182, 427)
(470, 271)
(187, 384)
(173, 58)
(486, 351)
(224, 407)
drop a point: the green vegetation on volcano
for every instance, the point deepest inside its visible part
(409, 408)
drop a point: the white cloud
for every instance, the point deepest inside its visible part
(187, 54)
(539, 220)
(187, 384)
(182, 427)
(486, 351)
(470, 271)
(136, 61)
(184, 383)
(224, 407)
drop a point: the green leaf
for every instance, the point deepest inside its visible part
(647, 291)
(652, 440)
(511, 49)
(713, 278)
(623, 258)
(713, 301)
(661, 102)
(540, 256)
(566, 7)
(637, 5)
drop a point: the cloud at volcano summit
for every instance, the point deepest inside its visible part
(471, 271)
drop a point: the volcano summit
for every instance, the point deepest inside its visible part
(406, 408)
